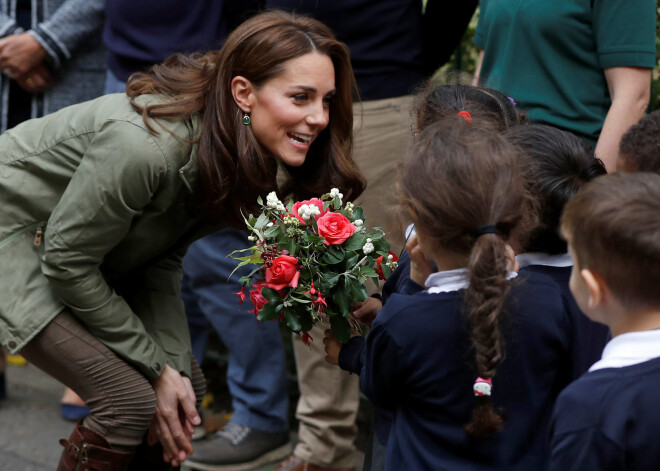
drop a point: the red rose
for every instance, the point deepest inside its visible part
(282, 273)
(335, 228)
(379, 263)
(257, 299)
(313, 202)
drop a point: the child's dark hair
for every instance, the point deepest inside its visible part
(613, 227)
(487, 107)
(462, 185)
(639, 150)
(555, 165)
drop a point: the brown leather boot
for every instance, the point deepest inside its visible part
(86, 450)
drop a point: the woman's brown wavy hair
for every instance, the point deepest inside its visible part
(457, 178)
(233, 167)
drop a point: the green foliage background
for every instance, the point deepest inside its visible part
(462, 64)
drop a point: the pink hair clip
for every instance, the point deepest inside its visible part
(482, 387)
(465, 115)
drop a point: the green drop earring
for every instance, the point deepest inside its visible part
(246, 119)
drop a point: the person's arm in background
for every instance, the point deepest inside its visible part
(22, 54)
(477, 71)
(443, 25)
(630, 89)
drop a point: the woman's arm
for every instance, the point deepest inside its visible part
(477, 71)
(119, 173)
(630, 89)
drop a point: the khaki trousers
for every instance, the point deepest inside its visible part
(382, 134)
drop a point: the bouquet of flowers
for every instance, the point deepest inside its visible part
(312, 260)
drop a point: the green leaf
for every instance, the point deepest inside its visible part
(271, 231)
(330, 278)
(351, 262)
(260, 201)
(354, 242)
(336, 202)
(261, 221)
(342, 298)
(292, 320)
(334, 255)
(306, 322)
(358, 213)
(386, 270)
(271, 294)
(368, 272)
(290, 245)
(268, 312)
(357, 290)
(340, 328)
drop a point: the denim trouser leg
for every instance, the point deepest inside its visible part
(256, 373)
(197, 323)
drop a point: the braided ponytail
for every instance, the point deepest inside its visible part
(462, 185)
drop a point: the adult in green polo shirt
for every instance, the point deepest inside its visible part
(579, 65)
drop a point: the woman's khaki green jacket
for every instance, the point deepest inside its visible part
(95, 216)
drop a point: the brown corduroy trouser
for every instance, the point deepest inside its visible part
(121, 401)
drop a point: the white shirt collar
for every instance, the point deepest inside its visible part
(539, 258)
(629, 349)
(452, 280)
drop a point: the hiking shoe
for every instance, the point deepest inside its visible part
(238, 448)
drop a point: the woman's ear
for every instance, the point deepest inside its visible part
(243, 93)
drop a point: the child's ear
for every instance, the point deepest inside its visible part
(598, 289)
(242, 91)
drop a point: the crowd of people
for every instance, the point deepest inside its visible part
(520, 328)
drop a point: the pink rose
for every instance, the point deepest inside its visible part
(313, 202)
(335, 228)
(282, 273)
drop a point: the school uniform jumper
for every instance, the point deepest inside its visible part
(589, 337)
(608, 419)
(417, 364)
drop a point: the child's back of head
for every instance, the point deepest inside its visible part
(483, 106)
(639, 150)
(555, 165)
(613, 228)
(462, 186)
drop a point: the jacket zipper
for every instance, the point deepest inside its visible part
(39, 235)
(20, 233)
(185, 180)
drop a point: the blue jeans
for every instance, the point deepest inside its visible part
(256, 370)
(113, 84)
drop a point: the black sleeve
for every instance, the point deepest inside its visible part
(443, 26)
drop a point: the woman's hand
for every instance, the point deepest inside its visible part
(420, 266)
(176, 415)
(332, 347)
(366, 311)
(19, 53)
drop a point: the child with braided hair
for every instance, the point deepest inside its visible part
(471, 366)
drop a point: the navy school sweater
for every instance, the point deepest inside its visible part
(608, 420)
(417, 365)
(589, 337)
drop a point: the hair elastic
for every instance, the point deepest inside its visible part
(482, 386)
(487, 229)
(465, 115)
(513, 102)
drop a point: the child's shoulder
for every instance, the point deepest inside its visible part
(405, 311)
(609, 398)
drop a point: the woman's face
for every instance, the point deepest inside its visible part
(288, 112)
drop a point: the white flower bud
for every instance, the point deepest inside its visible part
(390, 257)
(368, 248)
(305, 216)
(302, 210)
(252, 238)
(368, 240)
(270, 224)
(358, 222)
